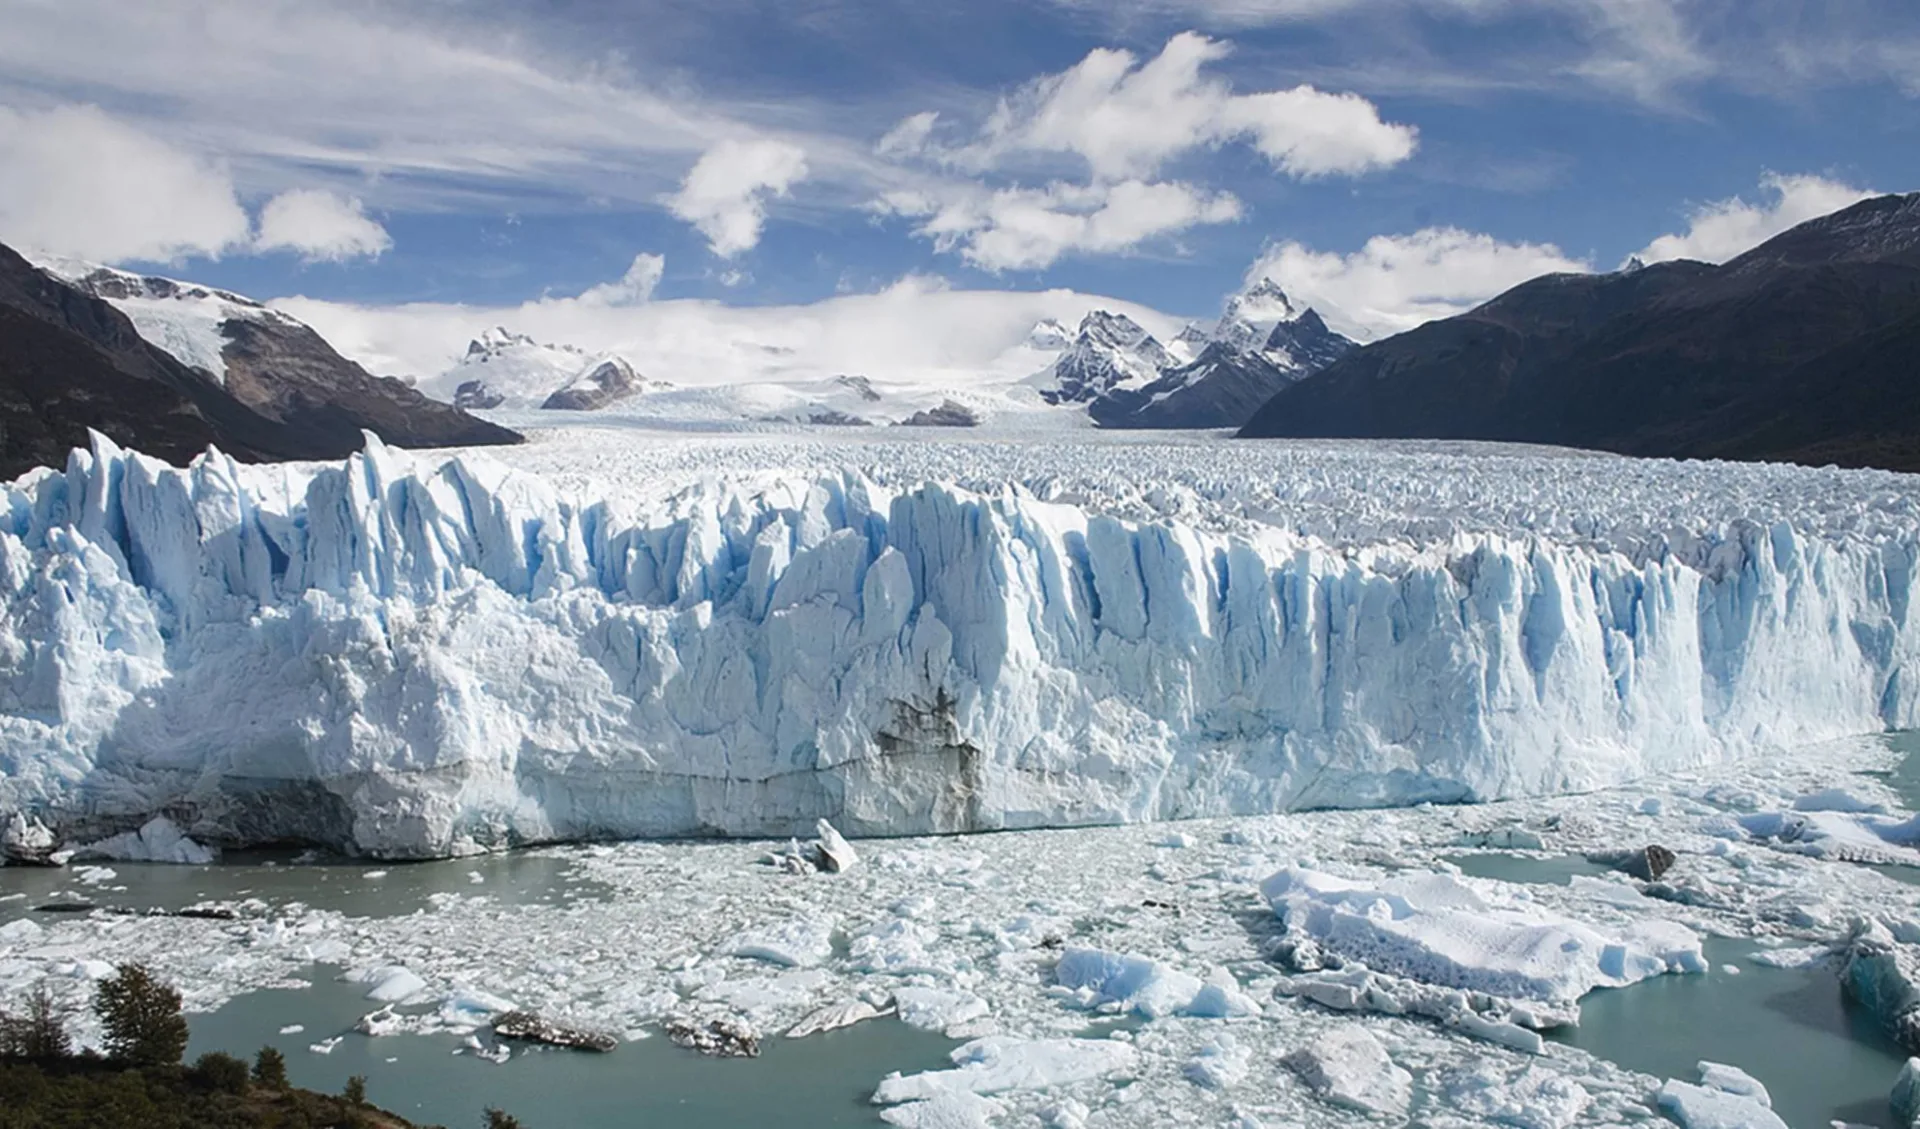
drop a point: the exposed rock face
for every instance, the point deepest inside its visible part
(1800, 350)
(476, 395)
(608, 382)
(861, 385)
(949, 413)
(1220, 389)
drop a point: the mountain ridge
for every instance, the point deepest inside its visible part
(1678, 359)
(72, 362)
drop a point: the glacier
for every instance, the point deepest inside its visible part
(427, 654)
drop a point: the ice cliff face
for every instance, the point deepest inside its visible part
(421, 657)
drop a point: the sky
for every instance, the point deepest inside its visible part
(785, 172)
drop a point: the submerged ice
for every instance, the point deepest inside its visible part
(417, 656)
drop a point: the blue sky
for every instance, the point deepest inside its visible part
(474, 153)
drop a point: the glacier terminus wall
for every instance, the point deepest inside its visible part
(414, 655)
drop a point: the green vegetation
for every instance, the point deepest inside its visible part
(270, 1069)
(141, 1085)
(142, 1018)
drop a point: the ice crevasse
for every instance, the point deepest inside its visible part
(407, 655)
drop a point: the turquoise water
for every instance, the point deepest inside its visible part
(514, 878)
(820, 1082)
(1821, 1057)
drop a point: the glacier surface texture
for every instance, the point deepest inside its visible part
(418, 655)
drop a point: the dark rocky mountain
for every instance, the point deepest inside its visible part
(70, 361)
(1806, 348)
(1230, 379)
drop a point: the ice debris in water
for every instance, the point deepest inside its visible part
(999, 1063)
(1726, 1098)
(1434, 928)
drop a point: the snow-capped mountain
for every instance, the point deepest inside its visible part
(175, 366)
(503, 369)
(183, 319)
(1210, 375)
(1107, 351)
(606, 381)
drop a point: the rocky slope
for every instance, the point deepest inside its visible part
(1802, 349)
(260, 385)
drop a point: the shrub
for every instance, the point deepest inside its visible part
(142, 1018)
(270, 1068)
(221, 1073)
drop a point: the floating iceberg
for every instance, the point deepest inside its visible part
(418, 656)
(1437, 930)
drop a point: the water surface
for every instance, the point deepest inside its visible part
(820, 1082)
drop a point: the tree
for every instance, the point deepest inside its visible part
(270, 1068)
(356, 1090)
(221, 1073)
(40, 1033)
(501, 1119)
(142, 1018)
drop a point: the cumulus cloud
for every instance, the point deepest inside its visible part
(1127, 118)
(1727, 228)
(725, 194)
(916, 329)
(320, 226)
(76, 181)
(1028, 229)
(631, 289)
(1396, 282)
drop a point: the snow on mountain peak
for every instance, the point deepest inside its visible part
(182, 319)
(1048, 334)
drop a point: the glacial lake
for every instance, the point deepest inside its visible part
(358, 888)
(1822, 1057)
(819, 1082)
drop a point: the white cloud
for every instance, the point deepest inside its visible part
(320, 227)
(725, 194)
(1126, 119)
(917, 329)
(408, 105)
(75, 181)
(910, 136)
(1031, 228)
(633, 288)
(1727, 228)
(1396, 282)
